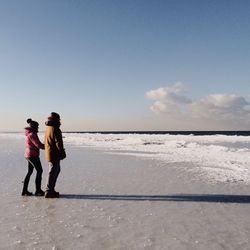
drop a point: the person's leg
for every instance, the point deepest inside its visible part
(58, 168)
(54, 169)
(27, 178)
(39, 170)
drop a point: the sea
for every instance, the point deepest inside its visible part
(184, 132)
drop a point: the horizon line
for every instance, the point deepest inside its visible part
(174, 132)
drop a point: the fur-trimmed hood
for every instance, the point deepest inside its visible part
(53, 123)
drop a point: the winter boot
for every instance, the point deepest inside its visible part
(49, 194)
(39, 193)
(26, 193)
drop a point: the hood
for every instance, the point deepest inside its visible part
(53, 123)
(28, 130)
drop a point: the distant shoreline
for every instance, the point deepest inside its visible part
(240, 132)
(184, 132)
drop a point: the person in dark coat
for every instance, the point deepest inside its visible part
(54, 152)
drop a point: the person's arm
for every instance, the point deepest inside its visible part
(35, 140)
(59, 143)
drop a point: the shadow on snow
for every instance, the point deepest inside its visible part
(180, 198)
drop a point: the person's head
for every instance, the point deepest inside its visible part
(33, 124)
(55, 118)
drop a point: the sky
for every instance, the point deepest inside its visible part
(114, 65)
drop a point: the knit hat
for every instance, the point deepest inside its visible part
(54, 116)
(33, 124)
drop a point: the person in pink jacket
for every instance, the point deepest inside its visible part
(32, 154)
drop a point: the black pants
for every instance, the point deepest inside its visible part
(33, 162)
(54, 170)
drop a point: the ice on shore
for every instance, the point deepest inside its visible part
(216, 157)
(130, 192)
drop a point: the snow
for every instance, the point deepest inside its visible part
(131, 192)
(218, 157)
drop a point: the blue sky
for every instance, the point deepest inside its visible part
(125, 65)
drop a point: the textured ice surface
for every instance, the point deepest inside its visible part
(217, 157)
(116, 201)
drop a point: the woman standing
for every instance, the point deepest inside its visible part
(32, 154)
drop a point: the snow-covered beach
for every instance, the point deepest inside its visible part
(131, 192)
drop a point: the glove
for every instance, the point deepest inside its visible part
(62, 154)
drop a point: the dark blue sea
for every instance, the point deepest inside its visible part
(236, 132)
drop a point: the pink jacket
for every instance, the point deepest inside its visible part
(32, 143)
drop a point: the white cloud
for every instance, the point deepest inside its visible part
(220, 106)
(168, 99)
(220, 111)
(158, 107)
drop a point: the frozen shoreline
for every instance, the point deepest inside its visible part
(217, 158)
(114, 201)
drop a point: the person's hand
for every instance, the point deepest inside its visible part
(62, 154)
